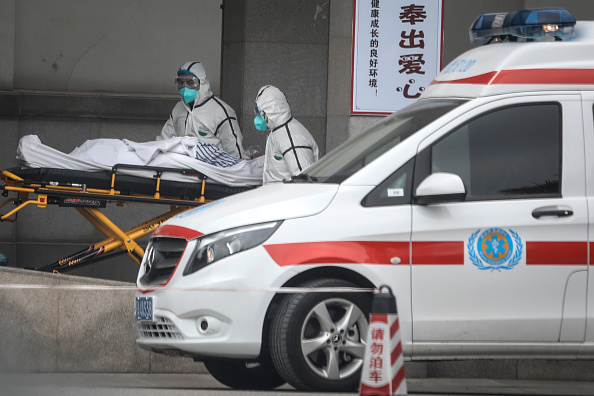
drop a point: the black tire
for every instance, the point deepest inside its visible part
(245, 375)
(334, 351)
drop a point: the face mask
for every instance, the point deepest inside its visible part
(188, 94)
(260, 123)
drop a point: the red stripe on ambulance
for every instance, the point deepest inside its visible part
(528, 76)
(338, 252)
(556, 253)
(423, 253)
(481, 79)
(174, 231)
(438, 252)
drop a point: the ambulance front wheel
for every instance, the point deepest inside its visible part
(317, 339)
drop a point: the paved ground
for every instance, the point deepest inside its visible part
(203, 384)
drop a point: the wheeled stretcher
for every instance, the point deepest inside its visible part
(88, 191)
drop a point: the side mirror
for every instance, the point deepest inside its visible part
(440, 187)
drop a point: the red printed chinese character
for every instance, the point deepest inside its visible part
(377, 349)
(376, 363)
(406, 90)
(410, 41)
(411, 63)
(375, 376)
(377, 334)
(413, 14)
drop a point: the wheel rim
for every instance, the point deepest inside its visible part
(333, 338)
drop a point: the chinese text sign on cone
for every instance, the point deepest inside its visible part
(383, 369)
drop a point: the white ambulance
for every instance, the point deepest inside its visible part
(473, 204)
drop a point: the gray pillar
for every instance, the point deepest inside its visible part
(233, 55)
(340, 44)
(7, 22)
(284, 44)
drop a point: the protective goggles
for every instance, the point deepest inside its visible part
(186, 80)
(259, 111)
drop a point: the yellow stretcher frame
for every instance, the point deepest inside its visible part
(117, 240)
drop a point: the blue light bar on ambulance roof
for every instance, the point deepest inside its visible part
(527, 24)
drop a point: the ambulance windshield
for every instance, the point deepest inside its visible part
(359, 151)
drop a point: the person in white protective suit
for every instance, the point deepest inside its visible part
(201, 114)
(290, 148)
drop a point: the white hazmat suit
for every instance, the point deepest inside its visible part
(208, 118)
(290, 148)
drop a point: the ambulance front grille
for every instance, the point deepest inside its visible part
(162, 328)
(160, 260)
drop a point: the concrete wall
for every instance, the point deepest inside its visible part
(131, 46)
(54, 328)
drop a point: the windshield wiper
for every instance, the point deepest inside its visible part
(302, 178)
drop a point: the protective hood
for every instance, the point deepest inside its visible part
(274, 103)
(197, 69)
(271, 202)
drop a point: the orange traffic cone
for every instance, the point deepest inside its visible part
(383, 370)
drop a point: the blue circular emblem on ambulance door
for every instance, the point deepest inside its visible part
(495, 249)
(494, 246)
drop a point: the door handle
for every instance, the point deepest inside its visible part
(552, 211)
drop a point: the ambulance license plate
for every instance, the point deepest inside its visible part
(144, 309)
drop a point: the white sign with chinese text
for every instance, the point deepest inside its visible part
(396, 52)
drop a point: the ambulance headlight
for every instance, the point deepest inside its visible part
(219, 245)
(526, 24)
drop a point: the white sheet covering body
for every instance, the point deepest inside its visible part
(101, 154)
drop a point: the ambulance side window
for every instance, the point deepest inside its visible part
(395, 190)
(510, 153)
